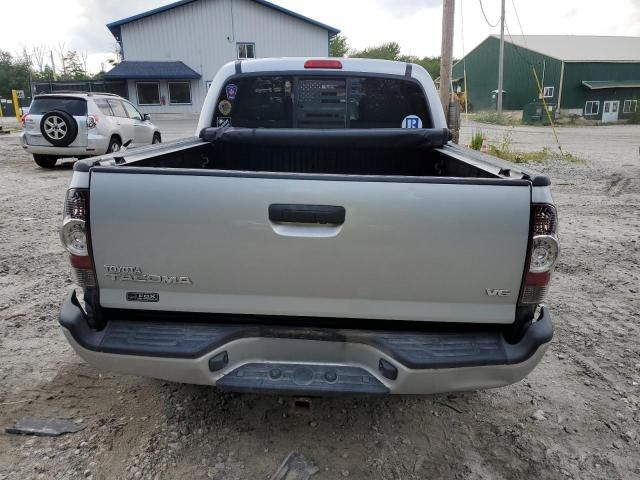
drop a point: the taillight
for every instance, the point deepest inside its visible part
(337, 64)
(543, 253)
(75, 236)
(92, 121)
(23, 120)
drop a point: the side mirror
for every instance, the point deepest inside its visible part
(146, 117)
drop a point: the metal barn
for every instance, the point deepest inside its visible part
(594, 76)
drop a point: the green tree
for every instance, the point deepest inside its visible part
(430, 64)
(385, 51)
(14, 74)
(73, 68)
(338, 46)
(47, 74)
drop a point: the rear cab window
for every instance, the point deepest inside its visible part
(76, 107)
(313, 101)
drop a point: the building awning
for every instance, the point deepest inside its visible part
(136, 70)
(601, 84)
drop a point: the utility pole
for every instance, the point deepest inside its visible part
(53, 71)
(53, 65)
(448, 12)
(501, 59)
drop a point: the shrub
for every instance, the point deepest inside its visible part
(495, 118)
(504, 149)
(477, 138)
(634, 118)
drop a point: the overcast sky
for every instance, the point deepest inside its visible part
(414, 24)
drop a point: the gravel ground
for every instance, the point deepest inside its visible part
(576, 416)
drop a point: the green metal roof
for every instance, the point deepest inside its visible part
(600, 84)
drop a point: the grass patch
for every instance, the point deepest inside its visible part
(477, 137)
(634, 118)
(546, 154)
(495, 118)
(504, 149)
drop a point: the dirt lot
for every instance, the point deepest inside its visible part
(577, 416)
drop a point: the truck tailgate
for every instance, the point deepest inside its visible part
(439, 250)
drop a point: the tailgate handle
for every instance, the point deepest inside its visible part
(292, 213)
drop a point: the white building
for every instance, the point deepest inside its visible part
(170, 54)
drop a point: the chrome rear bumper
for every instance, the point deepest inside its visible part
(97, 145)
(307, 361)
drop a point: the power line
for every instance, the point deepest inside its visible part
(519, 24)
(501, 60)
(464, 64)
(526, 59)
(485, 16)
(535, 75)
(524, 37)
(462, 26)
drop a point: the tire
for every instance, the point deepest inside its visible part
(114, 145)
(58, 128)
(45, 161)
(156, 138)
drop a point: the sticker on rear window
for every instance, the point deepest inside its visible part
(225, 107)
(223, 121)
(231, 91)
(412, 121)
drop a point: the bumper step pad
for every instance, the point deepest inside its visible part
(293, 379)
(177, 337)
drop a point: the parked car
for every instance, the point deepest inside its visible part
(61, 125)
(321, 236)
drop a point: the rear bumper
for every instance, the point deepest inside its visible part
(307, 361)
(96, 145)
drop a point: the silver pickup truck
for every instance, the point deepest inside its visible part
(319, 235)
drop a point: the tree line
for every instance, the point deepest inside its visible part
(42, 64)
(339, 47)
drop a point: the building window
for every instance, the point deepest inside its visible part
(630, 106)
(246, 50)
(592, 107)
(547, 92)
(148, 93)
(179, 93)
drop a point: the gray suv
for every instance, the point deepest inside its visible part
(62, 125)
